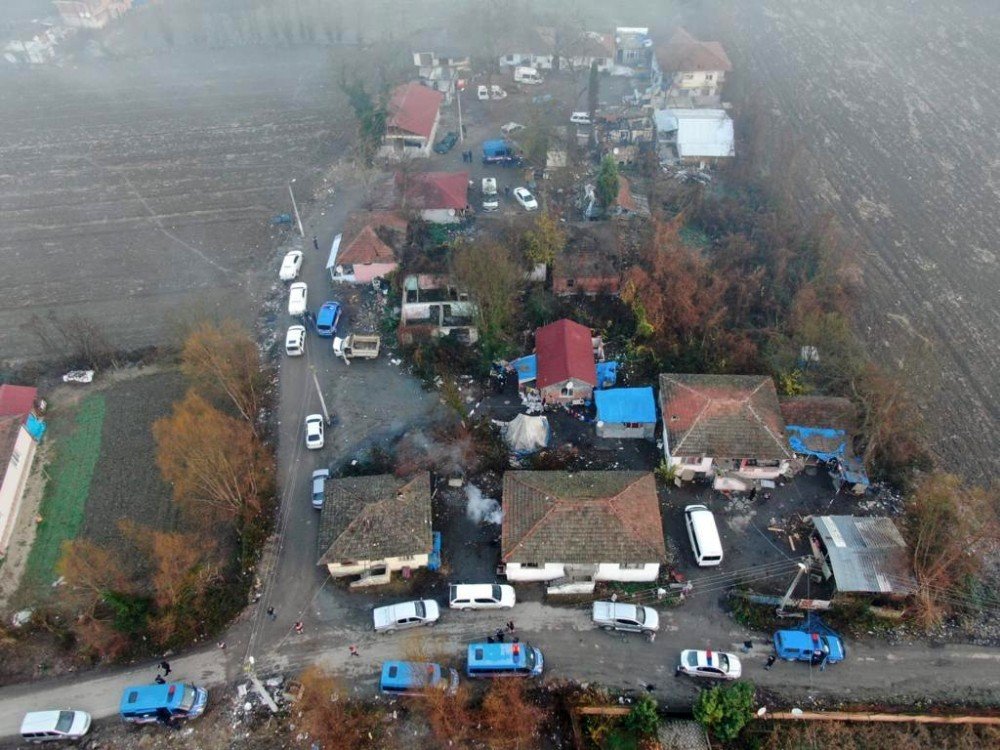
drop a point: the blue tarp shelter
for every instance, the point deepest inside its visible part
(626, 413)
(607, 374)
(526, 368)
(824, 443)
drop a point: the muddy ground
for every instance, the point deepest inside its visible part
(893, 112)
(137, 192)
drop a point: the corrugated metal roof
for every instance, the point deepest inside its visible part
(867, 555)
(701, 132)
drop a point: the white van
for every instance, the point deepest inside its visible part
(580, 118)
(53, 726)
(527, 75)
(480, 596)
(704, 535)
(491, 198)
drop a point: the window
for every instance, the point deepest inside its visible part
(709, 76)
(570, 282)
(691, 460)
(632, 566)
(687, 77)
(530, 565)
(633, 425)
(567, 390)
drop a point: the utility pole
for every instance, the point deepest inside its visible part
(461, 130)
(322, 401)
(803, 569)
(295, 208)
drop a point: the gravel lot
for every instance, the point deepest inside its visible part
(135, 191)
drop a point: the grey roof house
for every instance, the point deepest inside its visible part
(371, 526)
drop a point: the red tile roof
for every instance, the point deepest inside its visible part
(17, 400)
(414, 109)
(583, 517)
(723, 416)
(685, 53)
(372, 237)
(431, 190)
(565, 350)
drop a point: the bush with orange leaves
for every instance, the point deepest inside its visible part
(510, 720)
(333, 720)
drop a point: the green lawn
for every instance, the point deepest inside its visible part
(76, 448)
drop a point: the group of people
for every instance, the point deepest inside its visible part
(501, 634)
(162, 679)
(467, 156)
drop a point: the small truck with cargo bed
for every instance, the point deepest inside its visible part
(357, 346)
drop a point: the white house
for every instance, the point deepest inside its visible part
(372, 526)
(574, 529)
(91, 14)
(694, 136)
(726, 426)
(693, 70)
(413, 114)
(17, 451)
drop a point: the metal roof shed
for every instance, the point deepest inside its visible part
(625, 413)
(865, 555)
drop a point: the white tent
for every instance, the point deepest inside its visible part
(525, 434)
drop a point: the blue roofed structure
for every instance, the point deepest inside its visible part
(626, 413)
(607, 374)
(526, 368)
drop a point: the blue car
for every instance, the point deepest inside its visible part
(327, 319)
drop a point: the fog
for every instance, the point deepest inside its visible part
(140, 167)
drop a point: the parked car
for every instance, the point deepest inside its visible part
(175, 701)
(491, 196)
(525, 198)
(54, 726)
(290, 266)
(711, 664)
(416, 678)
(628, 617)
(815, 648)
(447, 143)
(511, 127)
(481, 596)
(327, 318)
(295, 341)
(314, 431)
(580, 118)
(298, 294)
(497, 93)
(703, 535)
(482, 93)
(406, 615)
(357, 346)
(319, 487)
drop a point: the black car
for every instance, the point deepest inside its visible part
(447, 143)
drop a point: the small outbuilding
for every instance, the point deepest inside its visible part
(626, 413)
(863, 555)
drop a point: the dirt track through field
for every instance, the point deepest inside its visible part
(895, 109)
(133, 191)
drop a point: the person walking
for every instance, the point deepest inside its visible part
(770, 661)
(510, 626)
(315, 243)
(354, 650)
(270, 613)
(299, 627)
(165, 666)
(159, 680)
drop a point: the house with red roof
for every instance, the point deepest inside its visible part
(19, 434)
(566, 362)
(368, 247)
(412, 121)
(572, 529)
(726, 426)
(439, 197)
(692, 70)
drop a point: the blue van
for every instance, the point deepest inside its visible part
(414, 678)
(145, 704)
(504, 660)
(815, 648)
(327, 319)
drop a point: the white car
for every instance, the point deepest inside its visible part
(295, 341)
(711, 664)
(314, 431)
(511, 127)
(405, 615)
(497, 93)
(491, 196)
(525, 198)
(298, 293)
(483, 93)
(481, 596)
(319, 487)
(54, 726)
(580, 118)
(290, 266)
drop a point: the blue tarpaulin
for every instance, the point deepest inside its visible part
(607, 374)
(824, 443)
(526, 368)
(626, 405)
(35, 427)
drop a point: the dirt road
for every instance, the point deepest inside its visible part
(134, 190)
(894, 109)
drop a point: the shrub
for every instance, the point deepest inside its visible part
(725, 709)
(643, 719)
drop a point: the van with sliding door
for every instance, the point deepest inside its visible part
(704, 536)
(146, 704)
(504, 660)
